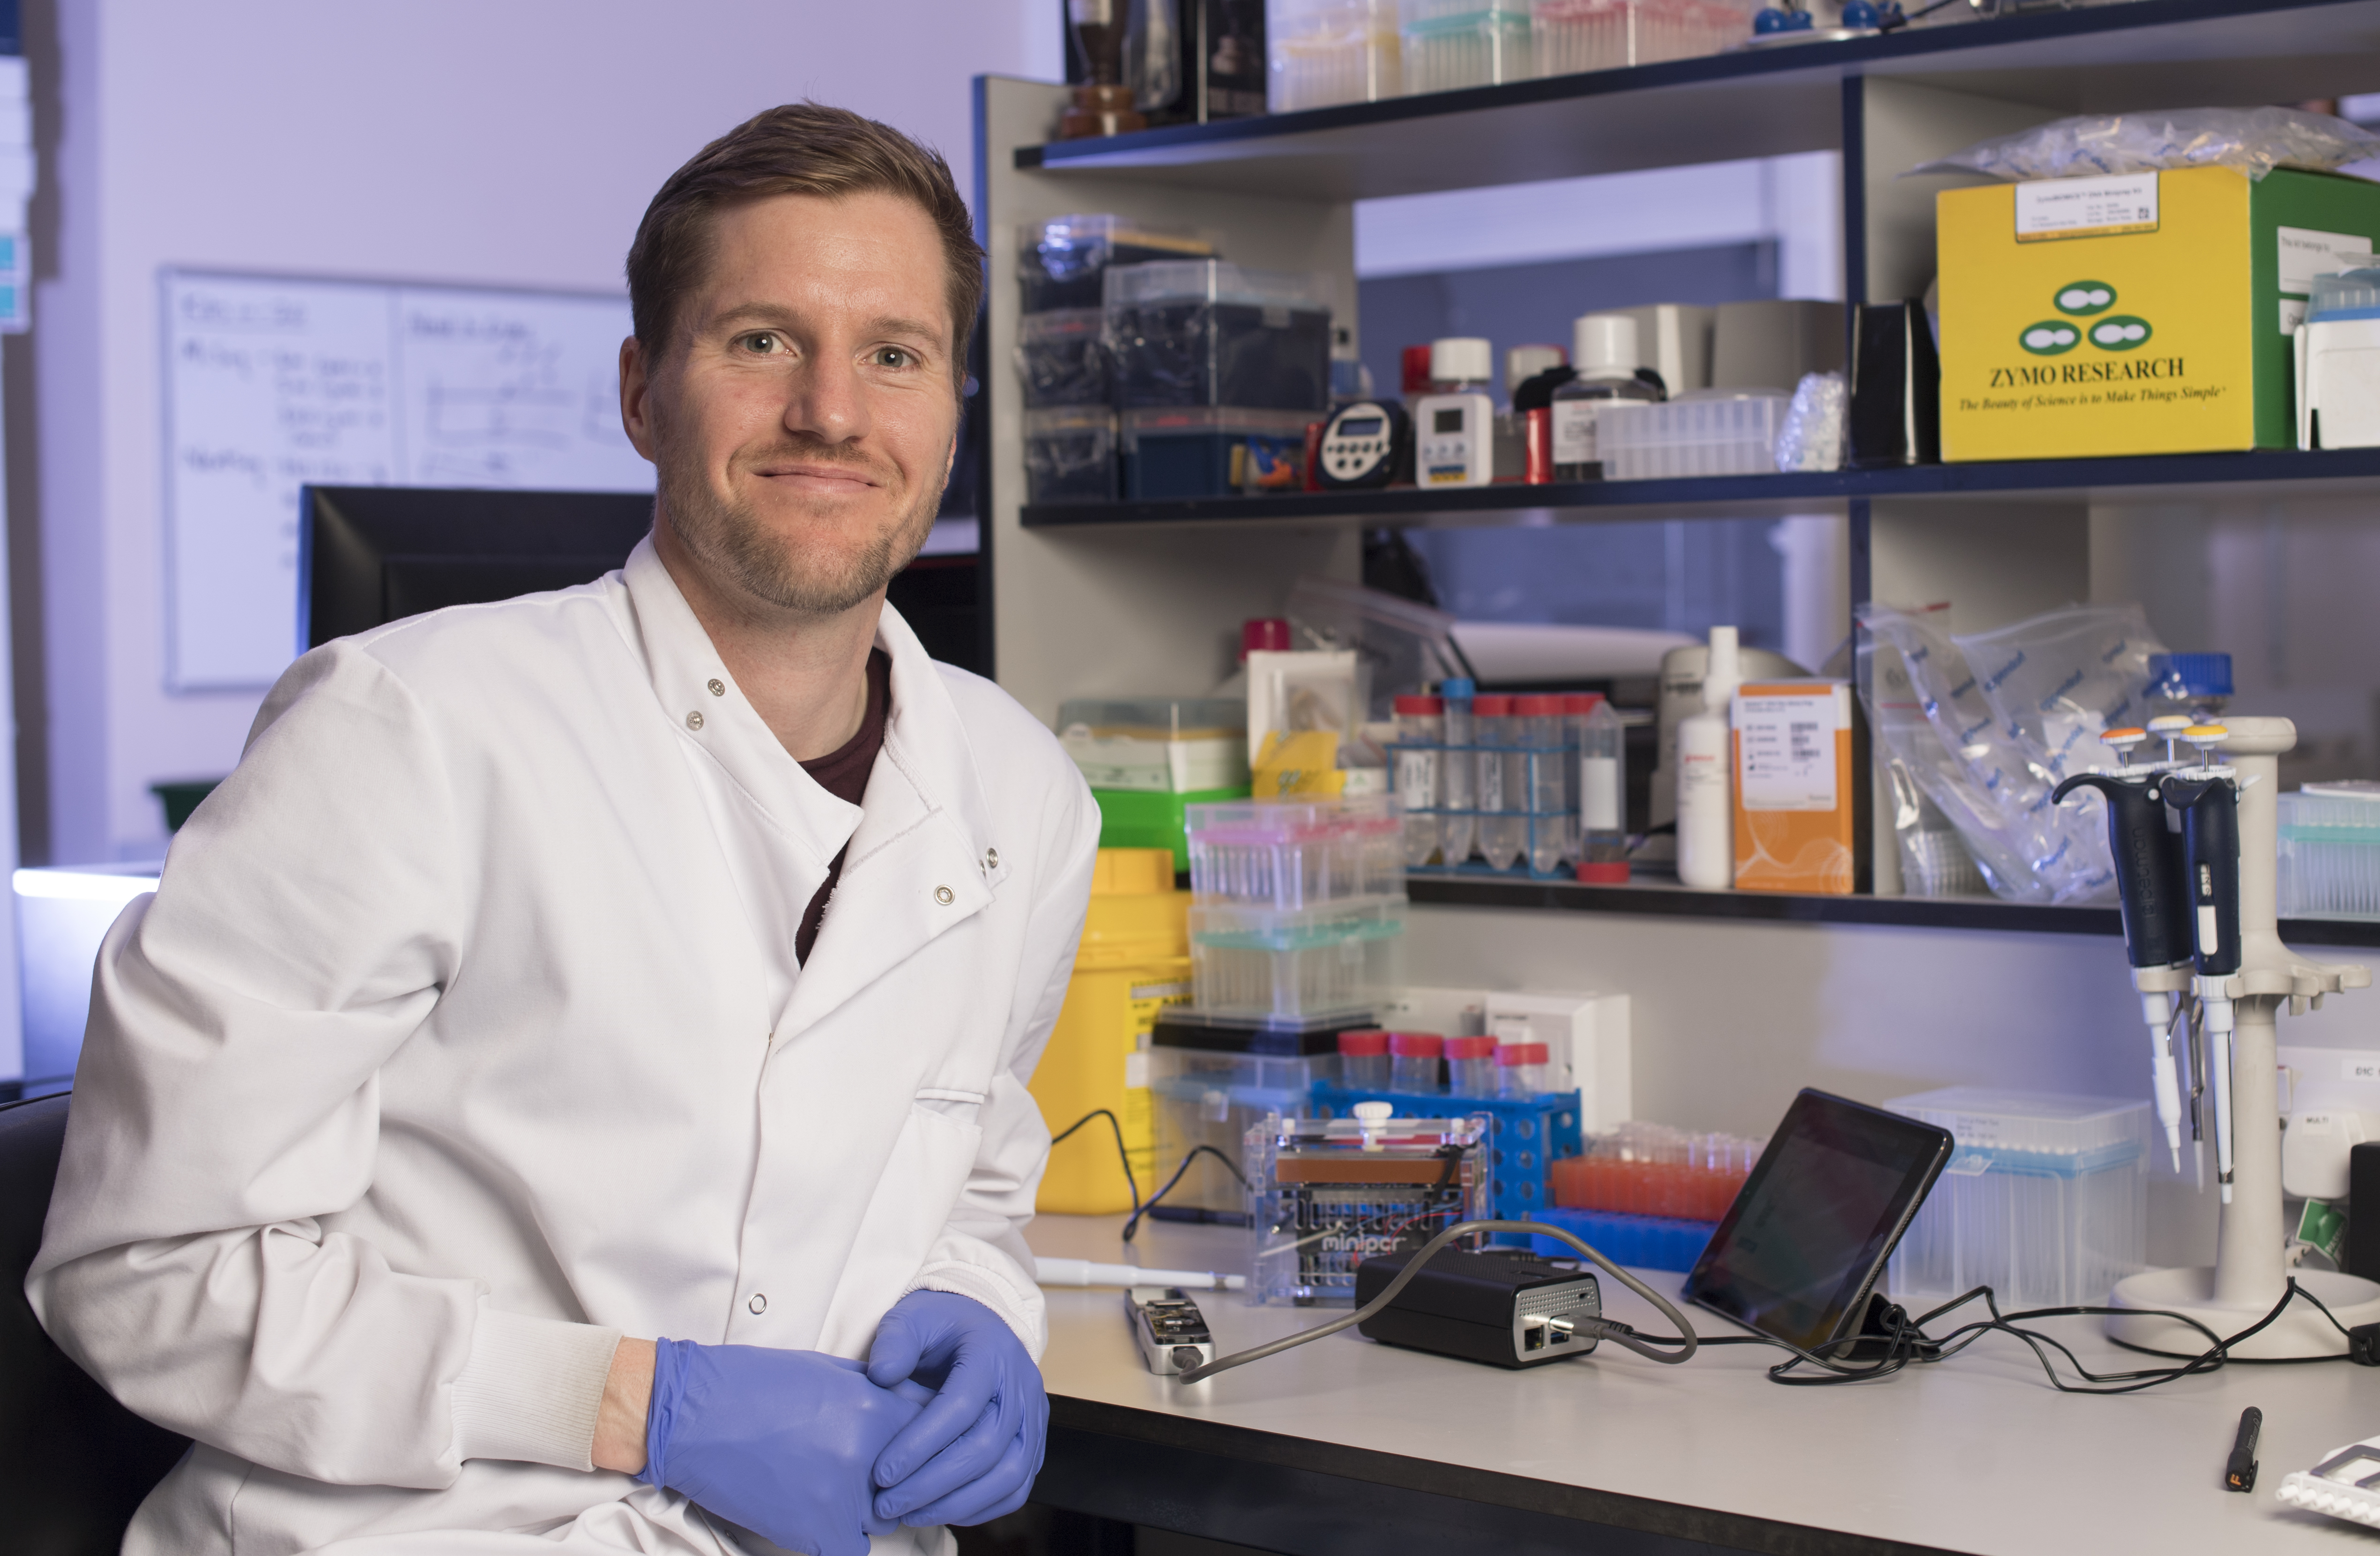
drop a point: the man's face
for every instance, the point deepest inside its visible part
(802, 416)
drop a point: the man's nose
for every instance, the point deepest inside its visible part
(828, 401)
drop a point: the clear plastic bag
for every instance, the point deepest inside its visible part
(1812, 438)
(2254, 141)
(1942, 742)
(2057, 680)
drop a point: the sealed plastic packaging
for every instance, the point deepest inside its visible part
(1070, 454)
(1205, 332)
(1327, 51)
(2044, 1199)
(1327, 1194)
(1060, 263)
(1812, 437)
(2251, 141)
(1159, 745)
(2330, 851)
(1449, 44)
(1569, 36)
(1298, 852)
(1709, 432)
(1061, 358)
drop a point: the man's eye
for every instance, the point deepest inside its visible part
(767, 342)
(893, 356)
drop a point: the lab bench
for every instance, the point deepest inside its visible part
(1345, 1446)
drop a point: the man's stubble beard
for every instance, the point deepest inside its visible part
(730, 539)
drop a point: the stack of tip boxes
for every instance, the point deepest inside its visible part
(1062, 368)
(2045, 1199)
(1297, 923)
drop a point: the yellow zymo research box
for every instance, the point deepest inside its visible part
(2137, 313)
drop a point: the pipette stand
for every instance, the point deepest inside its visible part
(2249, 1276)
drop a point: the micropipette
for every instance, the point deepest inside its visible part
(2208, 798)
(1084, 1271)
(2155, 915)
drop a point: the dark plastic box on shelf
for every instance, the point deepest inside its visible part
(1061, 358)
(1212, 451)
(1205, 332)
(1063, 261)
(1070, 454)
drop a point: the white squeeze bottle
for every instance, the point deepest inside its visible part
(1706, 774)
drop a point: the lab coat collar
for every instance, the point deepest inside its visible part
(922, 855)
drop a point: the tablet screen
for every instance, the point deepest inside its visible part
(1809, 1234)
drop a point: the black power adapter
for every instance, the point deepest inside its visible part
(1499, 1306)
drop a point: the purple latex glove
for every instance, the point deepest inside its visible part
(782, 1443)
(970, 1455)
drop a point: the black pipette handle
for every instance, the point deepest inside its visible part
(2148, 876)
(2210, 842)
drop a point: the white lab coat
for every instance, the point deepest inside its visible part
(462, 1037)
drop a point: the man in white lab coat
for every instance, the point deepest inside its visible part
(659, 960)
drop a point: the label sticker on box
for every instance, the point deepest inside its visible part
(2305, 253)
(2292, 314)
(1788, 752)
(2049, 209)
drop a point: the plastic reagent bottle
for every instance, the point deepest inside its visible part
(1706, 786)
(1412, 1060)
(1363, 1060)
(1420, 730)
(1546, 779)
(1604, 352)
(1603, 797)
(1471, 1066)
(1458, 828)
(1501, 777)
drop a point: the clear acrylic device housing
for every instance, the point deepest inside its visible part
(2330, 851)
(1325, 1194)
(1210, 1097)
(1449, 44)
(1295, 852)
(1568, 36)
(2044, 1199)
(1327, 51)
(1730, 433)
(1295, 964)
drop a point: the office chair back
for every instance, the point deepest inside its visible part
(74, 1464)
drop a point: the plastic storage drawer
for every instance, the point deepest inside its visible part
(1070, 454)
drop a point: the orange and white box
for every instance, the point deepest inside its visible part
(1793, 785)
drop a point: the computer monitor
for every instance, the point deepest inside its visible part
(370, 555)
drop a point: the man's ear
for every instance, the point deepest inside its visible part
(635, 397)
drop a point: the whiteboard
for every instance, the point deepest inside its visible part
(271, 384)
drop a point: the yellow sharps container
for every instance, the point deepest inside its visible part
(1134, 960)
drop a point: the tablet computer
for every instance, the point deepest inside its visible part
(1807, 1238)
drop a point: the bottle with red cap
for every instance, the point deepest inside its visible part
(1265, 633)
(1420, 730)
(1471, 1066)
(1521, 1068)
(1539, 719)
(1412, 1060)
(1501, 781)
(1363, 1060)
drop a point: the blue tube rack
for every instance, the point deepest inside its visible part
(1526, 1135)
(1647, 1242)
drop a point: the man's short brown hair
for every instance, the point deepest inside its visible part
(800, 149)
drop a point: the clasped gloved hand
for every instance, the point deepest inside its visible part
(783, 1443)
(971, 1455)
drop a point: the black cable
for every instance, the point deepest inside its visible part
(1122, 1154)
(1133, 1225)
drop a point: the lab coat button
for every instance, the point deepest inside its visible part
(694, 720)
(944, 895)
(759, 1304)
(991, 859)
(719, 688)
